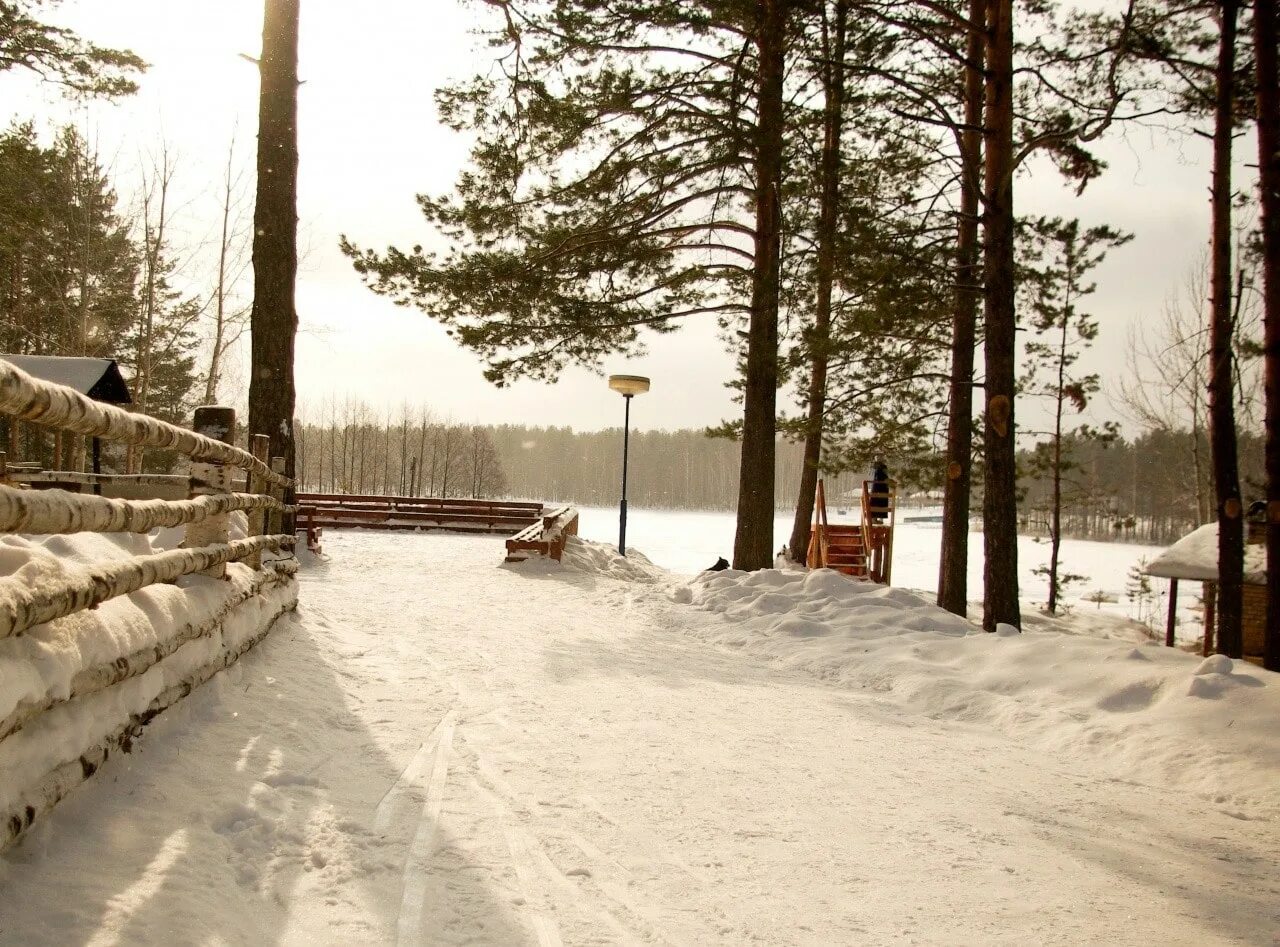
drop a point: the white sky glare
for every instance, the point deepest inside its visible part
(369, 140)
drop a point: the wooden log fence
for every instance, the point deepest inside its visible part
(49, 512)
(57, 406)
(212, 493)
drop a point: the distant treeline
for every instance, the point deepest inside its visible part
(1153, 489)
(683, 470)
(405, 457)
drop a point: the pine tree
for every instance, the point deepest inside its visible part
(274, 319)
(60, 56)
(1057, 258)
(1266, 22)
(627, 174)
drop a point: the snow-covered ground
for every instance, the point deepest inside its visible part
(437, 749)
(690, 541)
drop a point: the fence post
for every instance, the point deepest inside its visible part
(275, 519)
(210, 477)
(260, 447)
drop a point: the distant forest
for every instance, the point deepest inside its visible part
(1143, 490)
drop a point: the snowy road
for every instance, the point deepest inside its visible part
(436, 750)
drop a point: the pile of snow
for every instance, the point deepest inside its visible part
(168, 631)
(584, 557)
(591, 558)
(1146, 712)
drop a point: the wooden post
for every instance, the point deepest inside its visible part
(77, 453)
(1210, 606)
(1173, 613)
(211, 477)
(97, 466)
(275, 519)
(260, 447)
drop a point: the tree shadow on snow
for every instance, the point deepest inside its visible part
(259, 806)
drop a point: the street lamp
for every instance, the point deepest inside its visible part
(628, 386)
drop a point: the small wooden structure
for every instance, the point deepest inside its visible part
(862, 549)
(538, 530)
(1194, 558)
(98, 379)
(456, 515)
(546, 537)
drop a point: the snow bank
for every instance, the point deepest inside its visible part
(1146, 711)
(585, 557)
(68, 685)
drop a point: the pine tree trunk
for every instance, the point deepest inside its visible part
(1264, 32)
(274, 321)
(953, 573)
(1055, 515)
(819, 342)
(1222, 421)
(753, 542)
(999, 503)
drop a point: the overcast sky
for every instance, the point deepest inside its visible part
(370, 140)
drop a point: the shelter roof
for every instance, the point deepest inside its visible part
(96, 378)
(1195, 556)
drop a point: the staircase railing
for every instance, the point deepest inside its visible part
(877, 535)
(819, 539)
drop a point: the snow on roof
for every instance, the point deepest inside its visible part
(1195, 556)
(97, 378)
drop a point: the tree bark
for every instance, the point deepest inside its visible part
(753, 541)
(820, 337)
(1264, 32)
(953, 572)
(1222, 422)
(274, 321)
(999, 503)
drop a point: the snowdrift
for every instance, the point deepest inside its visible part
(1144, 711)
(74, 689)
(1154, 713)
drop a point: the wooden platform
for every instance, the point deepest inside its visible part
(364, 511)
(862, 550)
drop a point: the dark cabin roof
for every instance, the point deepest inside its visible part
(96, 378)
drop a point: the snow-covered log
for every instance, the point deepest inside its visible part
(66, 409)
(24, 806)
(91, 680)
(57, 511)
(23, 605)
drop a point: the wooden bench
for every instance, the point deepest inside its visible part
(546, 537)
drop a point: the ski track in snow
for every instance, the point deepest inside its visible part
(438, 750)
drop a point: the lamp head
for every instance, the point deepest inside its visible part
(628, 385)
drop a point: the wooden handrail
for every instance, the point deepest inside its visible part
(820, 543)
(56, 511)
(878, 537)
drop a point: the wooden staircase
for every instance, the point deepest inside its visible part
(861, 549)
(845, 550)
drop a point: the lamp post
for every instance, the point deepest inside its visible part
(628, 386)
